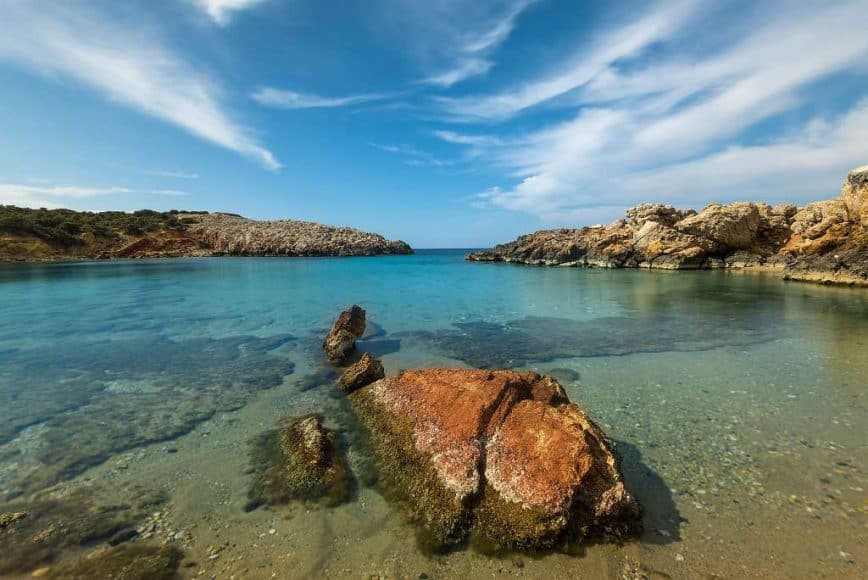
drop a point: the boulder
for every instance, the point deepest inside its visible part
(657, 212)
(734, 226)
(301, 460)
(501, 456)
(364, 372)
(855, 195)
(341, 341)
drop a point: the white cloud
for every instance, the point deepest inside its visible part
(676, 128)
(125, 64)
(176, 174)
(609, 47)
(220, 11)
(414, 156)
(283, 99)
(51, 196)
(453, 39)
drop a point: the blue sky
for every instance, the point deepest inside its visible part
(444, 123)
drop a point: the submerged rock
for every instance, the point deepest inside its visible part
(364, 372)
(499, 456)
(301, 460)
(7, 520)
(131, 562)
(348, 328)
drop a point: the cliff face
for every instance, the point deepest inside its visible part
(826, 241)
(196, 234)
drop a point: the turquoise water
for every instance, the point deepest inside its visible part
(129, 392)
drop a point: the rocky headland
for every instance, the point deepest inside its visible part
(47, 235)
(825, 241)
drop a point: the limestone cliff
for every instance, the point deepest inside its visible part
(825, 242)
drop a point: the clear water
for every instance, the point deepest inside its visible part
(129, 392)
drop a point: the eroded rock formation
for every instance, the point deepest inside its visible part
(341, 341)
(500, 456)
(826, 241)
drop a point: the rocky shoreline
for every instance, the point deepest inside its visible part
(181, 234)
(824, 242)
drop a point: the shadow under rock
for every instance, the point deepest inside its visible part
(661, 522)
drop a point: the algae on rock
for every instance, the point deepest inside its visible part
(301, 460)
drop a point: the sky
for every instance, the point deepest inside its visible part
(444, 123)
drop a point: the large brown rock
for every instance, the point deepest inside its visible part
(855, 195)
(734, 226)
(499, 455)
(341, 341)
(364, 372)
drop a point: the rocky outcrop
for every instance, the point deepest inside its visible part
(364, 372)
(179, 234)
(825, 241)
(301, 460)
(231, 235)
(499, 456)
(341, 341)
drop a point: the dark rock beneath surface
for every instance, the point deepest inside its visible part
(499, 456)
(301, 460)
(348, 328)
(364, 372)
(128, 562)
(7, 520)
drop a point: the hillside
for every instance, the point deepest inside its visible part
(47, 235)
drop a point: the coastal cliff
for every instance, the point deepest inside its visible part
(46, 235)
(825, 241)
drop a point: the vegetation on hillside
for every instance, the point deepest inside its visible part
(64, 226)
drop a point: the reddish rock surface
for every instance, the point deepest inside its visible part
(341, 341)
(518, 464)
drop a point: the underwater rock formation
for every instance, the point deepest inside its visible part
(301, 460)
(7, 520)
(341, 341)
(134, 562)
(501, 457)
(826, 241)
(364, 372)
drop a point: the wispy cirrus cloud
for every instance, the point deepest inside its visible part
(608, 47)
(44, 195)
(412, 155)
(678, 127)
(126, 64)
(284, 99)
(175, 174)
(221, 11)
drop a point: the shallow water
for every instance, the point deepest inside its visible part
(129, 393)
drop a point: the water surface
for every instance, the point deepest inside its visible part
(129, 392)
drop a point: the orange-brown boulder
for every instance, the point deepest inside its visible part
(501, 456)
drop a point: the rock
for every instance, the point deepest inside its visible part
(126, 561)
(364, 372)
(124, 535)
(7, 519)
(657, 212)
(822, 242)
(735, 226)
(498, 455)
(341, 341)
(301, 460)
(855, 195)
